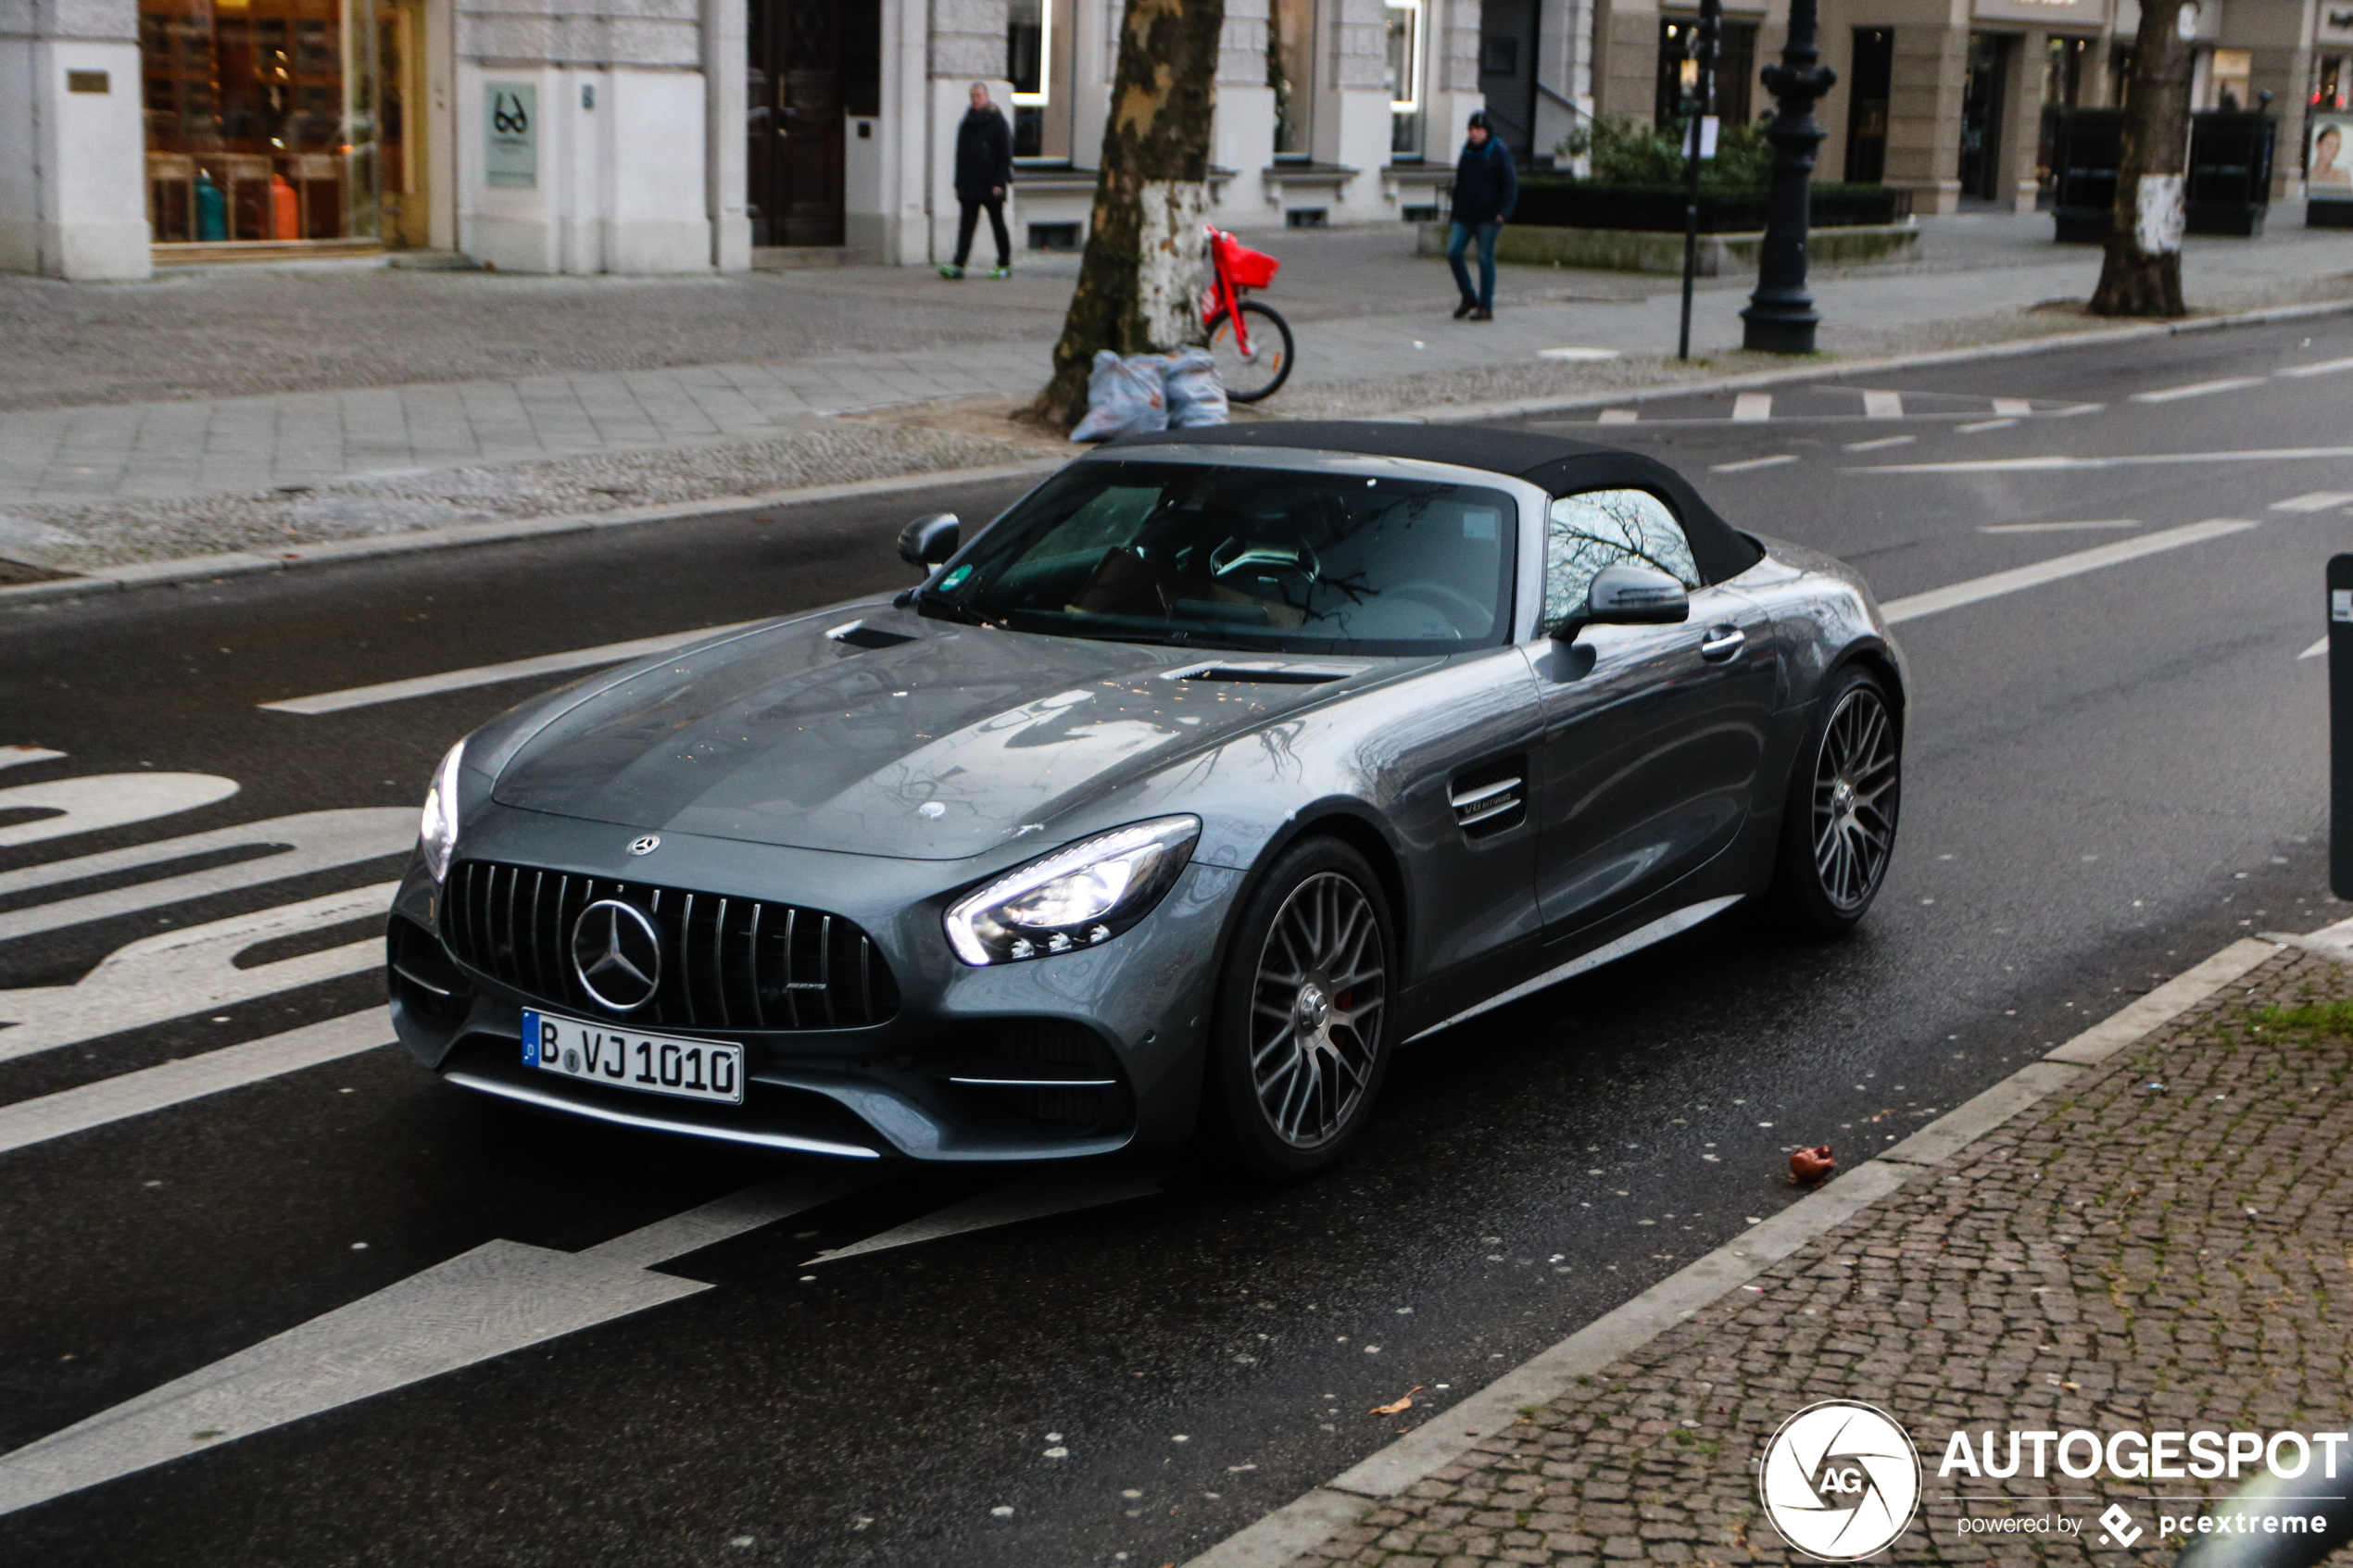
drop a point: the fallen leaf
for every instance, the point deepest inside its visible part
(1403, 1405)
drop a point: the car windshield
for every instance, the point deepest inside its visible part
(1281, 559)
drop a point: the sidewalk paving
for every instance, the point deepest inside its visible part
(625, 403)
(2164, 1244)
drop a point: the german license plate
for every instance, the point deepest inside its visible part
(654, 1063)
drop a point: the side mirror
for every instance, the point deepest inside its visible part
(1626, 594)
(927, 541)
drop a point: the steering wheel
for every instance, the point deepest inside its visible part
(1237, 554)
(1460, 610)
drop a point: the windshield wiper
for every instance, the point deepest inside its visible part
(940, 608)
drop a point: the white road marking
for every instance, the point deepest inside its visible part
(2013, 406)
(498, 1298)
(298, 845)
(2139, 459)
(2325, 367)
(1773, 462)
(1026, 1197)
(1997, 584)
(106, 800)
(2317, 501)
(2314, 651)
(30, 1122)
(1881, 444)
(174, 973)
(493, 674)
(2053, 527)
(17, 756)
(1576, 354)
(1750, 406)
(1986, 425)
(2196, 389)
(1620, 416)
(1634, 941)
(1882, 404)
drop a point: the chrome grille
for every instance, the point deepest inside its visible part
(727, 962)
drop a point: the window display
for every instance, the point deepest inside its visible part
(260, 119)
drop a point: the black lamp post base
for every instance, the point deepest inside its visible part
(1779, 328)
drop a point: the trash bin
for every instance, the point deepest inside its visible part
(2086, 146)
(2230, 174)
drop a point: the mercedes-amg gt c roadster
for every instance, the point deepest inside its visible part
(1222, 766)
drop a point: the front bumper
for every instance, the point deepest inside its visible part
(1079, 1054)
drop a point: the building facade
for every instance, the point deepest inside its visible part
(683, 136)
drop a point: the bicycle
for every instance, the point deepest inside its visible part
(1253, 360)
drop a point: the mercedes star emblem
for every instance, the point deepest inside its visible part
(617, 955)
(644, 846)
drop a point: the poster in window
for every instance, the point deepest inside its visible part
(2328, 166)
(511, 135)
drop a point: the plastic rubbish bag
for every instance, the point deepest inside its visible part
(1195, 395)
(1124, 396)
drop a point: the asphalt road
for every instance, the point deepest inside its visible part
(2110, 775)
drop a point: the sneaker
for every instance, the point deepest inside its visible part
(1000, 271)
(1482, 315)
(951, 270)
(1465, 309)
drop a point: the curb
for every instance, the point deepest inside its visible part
(196, 568)
(1468, 413)
(193, 569)
(1274, 1540)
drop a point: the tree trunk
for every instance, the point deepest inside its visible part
(2142, 272)
(1141, 278)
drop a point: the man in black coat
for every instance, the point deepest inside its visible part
(1486, 189)
(984, 172)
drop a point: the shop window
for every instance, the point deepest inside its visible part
(1290, 51)
(2330, 82)
(1037, 57)
(1405, 78)
(1874, 69)
(1678, 69)
(260, 118)
(2229, 79)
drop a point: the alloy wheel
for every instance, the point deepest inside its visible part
(1855, 797)
(1316, 1010)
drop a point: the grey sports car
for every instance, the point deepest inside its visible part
(1219, 768)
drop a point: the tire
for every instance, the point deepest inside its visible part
(1838, 826)
(1301, 1045)
(1251, 381)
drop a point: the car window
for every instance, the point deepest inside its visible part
(1211, 556)
(1599, 528)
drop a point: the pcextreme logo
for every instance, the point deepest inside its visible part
(1840, 1480)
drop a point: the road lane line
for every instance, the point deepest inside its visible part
(295, 846)
(493, 674)
(30, 1122)
(2325, 367)
(1772, 462)
(500, 1298)
(2140, 459)
(17, 756)
(1026, 1197)
(2317, 501)
(2053, 527)
(1995, 584)
(2196, 389)
(1750, 406)
(2314, 651)
(1984, 425)
(2013, 406)
(1881, 444)
(91, 801)
(1882, 404)
(1620, 416)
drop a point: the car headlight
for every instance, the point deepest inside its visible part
(437, 834)
(1084, 894)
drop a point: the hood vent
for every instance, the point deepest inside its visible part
(858, 635)
(1259, 674)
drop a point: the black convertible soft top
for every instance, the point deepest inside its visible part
(1559, 465)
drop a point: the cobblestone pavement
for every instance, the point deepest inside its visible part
(2165, 1245)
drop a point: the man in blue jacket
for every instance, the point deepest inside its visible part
(1486, 188)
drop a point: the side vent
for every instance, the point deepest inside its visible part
(1491, 799)
(858, 635)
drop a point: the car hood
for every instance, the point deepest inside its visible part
(939, 747)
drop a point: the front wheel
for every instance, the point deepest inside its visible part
(1261, 376)
(1302, 1042)
(1838, 828)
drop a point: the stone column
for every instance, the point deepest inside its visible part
(1924, 112)
(73, 185)
(2022, 114)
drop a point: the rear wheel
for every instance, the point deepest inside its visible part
(1248, 381)
(1301, 1044)
(1838, 828)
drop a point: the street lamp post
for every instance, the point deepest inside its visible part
(1780, 317)
(1699, 102)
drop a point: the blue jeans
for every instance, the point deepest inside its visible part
(1459, 241)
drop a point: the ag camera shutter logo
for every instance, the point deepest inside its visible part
(1840, 1481)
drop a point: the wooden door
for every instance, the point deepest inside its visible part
(793, 100)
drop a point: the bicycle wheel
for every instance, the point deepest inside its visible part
(1248, 381)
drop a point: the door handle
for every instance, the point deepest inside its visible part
(1721, 643)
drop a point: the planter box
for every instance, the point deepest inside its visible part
(1642, 250)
